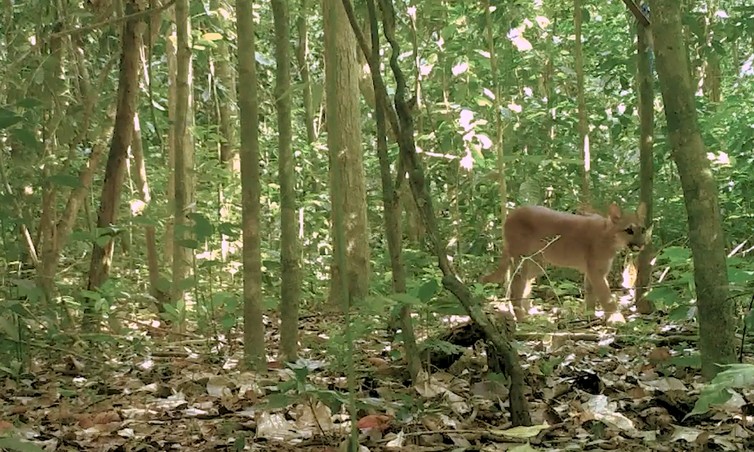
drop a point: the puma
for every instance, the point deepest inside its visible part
(536, 236)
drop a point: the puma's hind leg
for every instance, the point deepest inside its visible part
(525, 272)
(500, 274)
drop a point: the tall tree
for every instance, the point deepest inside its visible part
(302, 52)
(115, 170)
(344, 143)
(578, 58)
(646, 98)
(716, 325)
(182, 254)
(253, 333)
(290, 288)
(225, 88)
(499, 126)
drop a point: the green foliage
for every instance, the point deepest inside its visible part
(735, 376)
(299, 389)
(18, 445)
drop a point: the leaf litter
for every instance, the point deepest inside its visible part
(584, 394)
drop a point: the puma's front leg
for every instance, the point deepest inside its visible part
(598, 289)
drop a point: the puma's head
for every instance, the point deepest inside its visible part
(629, 228)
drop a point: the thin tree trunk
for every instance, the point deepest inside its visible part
(227, 112)
(128, 88)
(645, 81)
(290, 288)
(401, 119)
(391, 201)
(499, 126)
(302, 52)
(344, 141)
(183, 200)
(170, 56)
(50, 253)
(578, 58)
(253, 334)
(150, 232)
(715, 316)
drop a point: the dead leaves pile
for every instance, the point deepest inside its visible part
(584, 395)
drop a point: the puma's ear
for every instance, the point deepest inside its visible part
(614, 212)
(641, 212)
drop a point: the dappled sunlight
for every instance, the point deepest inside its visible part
(720, 158)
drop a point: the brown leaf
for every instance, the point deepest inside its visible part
(659, 356)
(375, 421)
(106, 417)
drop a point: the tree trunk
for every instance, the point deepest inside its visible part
(401, 119)
(344, 143)
(391, 201)
(227, 112)
(645, 82)
(150, 232)
(128, 88)
(499, 126)
(290, 288)
(715, 316)
(182, 255)
(253, 334)
(578, 57)
(302, 52)
(170, 56)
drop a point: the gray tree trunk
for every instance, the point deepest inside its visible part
(716, 325)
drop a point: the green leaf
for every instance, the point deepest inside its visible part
(711, 395)
(202, 226)
(8, 118)
(229, 229)
(405, 299)
(188, 243)
(279, 400)
(19, 445)
(25, 137)
(663, 295)
(675, 254)
(428, 290)
(65, 180)
(92, 295)
(29, 102)
(693, 361)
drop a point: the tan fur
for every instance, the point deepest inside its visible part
(536, 236)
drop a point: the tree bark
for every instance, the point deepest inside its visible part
(401, 119)
(170, 56)
(253, 334)
(302, 51)
(715, 316)
(391, 201)
(645, 82)
(227, 113)
(499, 126)
(150, 232)
(182, 255)
(344, 143)
(128, 86)
(290, 288)
(578, 57)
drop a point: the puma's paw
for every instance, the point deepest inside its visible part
(616, 317)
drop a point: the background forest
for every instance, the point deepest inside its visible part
(179, 175)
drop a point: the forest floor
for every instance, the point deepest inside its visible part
(589, 389)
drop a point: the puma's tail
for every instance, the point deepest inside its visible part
(501, 272)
